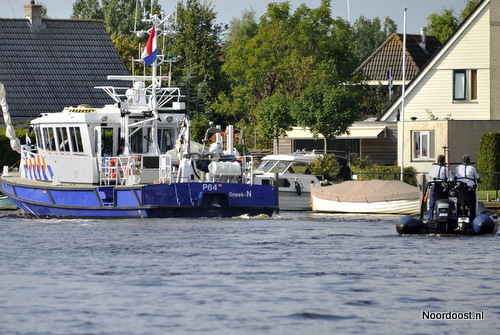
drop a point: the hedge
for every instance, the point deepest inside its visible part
(489, 159)
(8, 156)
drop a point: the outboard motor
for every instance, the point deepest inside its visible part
(445, 221)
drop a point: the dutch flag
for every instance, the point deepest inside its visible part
(150, 52)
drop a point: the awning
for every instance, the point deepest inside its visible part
(373, 132)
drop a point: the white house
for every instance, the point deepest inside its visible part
(455, 98)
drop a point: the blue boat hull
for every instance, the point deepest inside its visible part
(143, 201)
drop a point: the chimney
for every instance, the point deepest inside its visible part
(423, 33)
(33, 13)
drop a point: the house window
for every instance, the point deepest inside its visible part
(459, 85)
(473, 84)
(465, 85)
(423, 145)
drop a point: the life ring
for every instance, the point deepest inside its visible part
(112, 167)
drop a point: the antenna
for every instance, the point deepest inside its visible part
(135, 16)
(175, 13)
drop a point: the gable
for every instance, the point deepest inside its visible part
(431, 92)
(57, 64)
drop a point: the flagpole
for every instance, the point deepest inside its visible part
(403, 97)
(153, 144)
(349, 12)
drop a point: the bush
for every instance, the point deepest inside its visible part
(327, 166)
(359, 162)
(489, 159)
(8, 156)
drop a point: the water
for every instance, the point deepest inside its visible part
(300, 273)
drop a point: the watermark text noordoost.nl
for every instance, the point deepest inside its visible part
(451, 315)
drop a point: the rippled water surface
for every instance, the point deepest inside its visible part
(298, 273)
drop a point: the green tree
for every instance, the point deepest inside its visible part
(289, 52)
(199, 126)
(127, 46)
(444, 24)
(284, 53)
(241, 30)
(369, 35)
(198, 41)
(274, 117)
(326, 110)
(87, 9)
(119, 16)
(469, 7)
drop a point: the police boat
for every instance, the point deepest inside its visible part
(453, 214)
(134, 158)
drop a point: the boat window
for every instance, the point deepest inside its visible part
(76, 139)
(49, 141)
(136, 140)
(280, 167)
(107, 142)
(299, 167)
(38, 135)
(165, 140)
(46, 138)
(265, 166)
(62, 136)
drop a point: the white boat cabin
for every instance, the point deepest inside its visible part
(109, 144)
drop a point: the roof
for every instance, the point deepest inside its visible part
(390, 55)
(47, 67)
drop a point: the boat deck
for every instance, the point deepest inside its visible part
(15, 178)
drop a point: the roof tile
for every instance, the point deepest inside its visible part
(390, 55)
(45, 70)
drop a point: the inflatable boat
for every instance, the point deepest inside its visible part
(452, 215)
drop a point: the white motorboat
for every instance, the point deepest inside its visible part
(295, 178)
(368, 196)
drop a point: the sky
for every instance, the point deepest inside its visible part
(417, 10)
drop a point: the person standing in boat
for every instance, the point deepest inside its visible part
(439, 176)
(468, 178)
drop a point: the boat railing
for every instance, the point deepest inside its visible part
(29, 161)
(122, 170)
(110, 172)
(165, 96)
(247, 169)
(28, 151)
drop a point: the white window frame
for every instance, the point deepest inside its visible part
(463, 85)
(425, 152)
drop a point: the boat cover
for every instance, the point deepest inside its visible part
(367, 191)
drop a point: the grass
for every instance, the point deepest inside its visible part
(481, 195)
